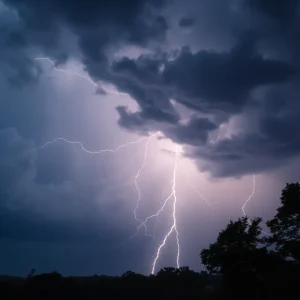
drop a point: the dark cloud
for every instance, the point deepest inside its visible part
(96, 23)
(218, 83)
(222, 80)
(86, 17)
(278, 25)
(146, 120)
(187, 22)
(18, 68)
(219, 79)
(204, 81)
(282, 11)
(195, 132)
(268, 141)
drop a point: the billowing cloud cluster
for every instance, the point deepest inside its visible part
(97, 25)
(257, 73)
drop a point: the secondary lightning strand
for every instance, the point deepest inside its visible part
(250, 196)
(196, 190)
(83, 148)
(81, 76)
(144, 223)
(135, 179)
(174, 225)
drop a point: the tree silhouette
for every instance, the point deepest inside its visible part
(249, 267)
(234, 248)
(129, 274)
(285, 226)
(168, 272)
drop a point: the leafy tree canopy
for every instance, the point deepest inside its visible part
(285, 226)
(233, 250)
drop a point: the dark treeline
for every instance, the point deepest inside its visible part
(243, 263)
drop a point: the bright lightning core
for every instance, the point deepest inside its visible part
(250, 196)
(173, 228)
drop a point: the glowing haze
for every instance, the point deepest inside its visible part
(132, 131)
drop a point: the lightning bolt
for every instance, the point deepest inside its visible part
(174, 225)
(87, 78)
(144, 223)
(154, 215)
(250, 196)
(136, 177)
(83, 148)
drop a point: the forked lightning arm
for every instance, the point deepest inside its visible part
(250, 196)
(83, 148)
(87, 78)
(174, 224)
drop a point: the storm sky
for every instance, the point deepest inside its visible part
(220, 78)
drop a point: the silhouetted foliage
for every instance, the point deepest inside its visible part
(234, 248)
(247, 261)
(285, 226)
(169, 283)
(241, 264)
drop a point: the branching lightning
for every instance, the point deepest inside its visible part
(138, 175)
(87, 78)
(250, 196)
(174, 224)
(83, 148)
(144, 224)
